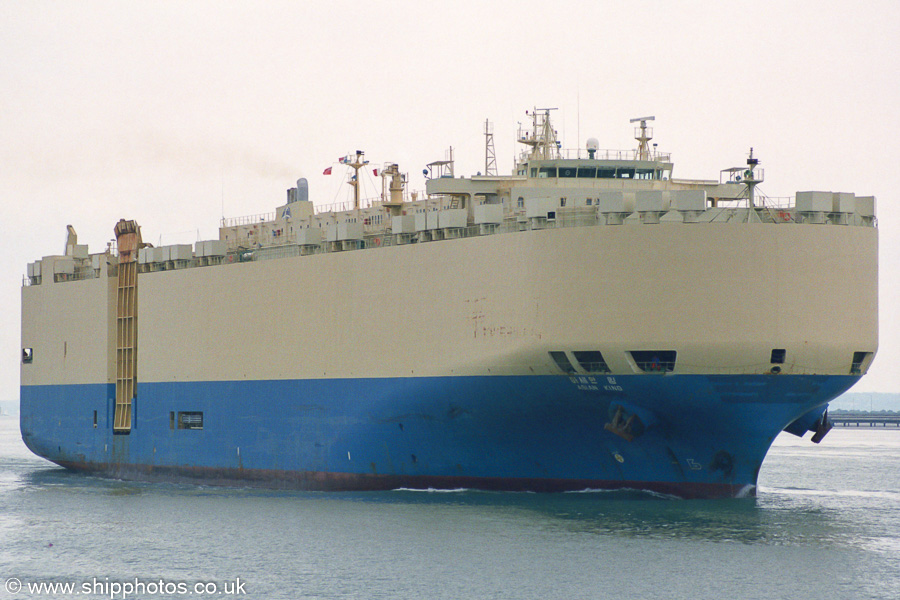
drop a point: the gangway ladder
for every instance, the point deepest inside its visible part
(128, 240)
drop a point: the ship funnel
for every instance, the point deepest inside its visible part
(302, 190)
(71, 240)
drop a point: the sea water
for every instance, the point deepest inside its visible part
(825, 524)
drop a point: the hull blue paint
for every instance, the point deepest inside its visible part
(705, 436)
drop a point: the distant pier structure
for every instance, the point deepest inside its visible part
(864, 419)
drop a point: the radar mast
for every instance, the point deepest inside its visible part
(643, 135)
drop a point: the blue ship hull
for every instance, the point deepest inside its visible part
(698, 435)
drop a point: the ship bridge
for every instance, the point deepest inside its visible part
(545, 158)
(546, 164)
(592, 168)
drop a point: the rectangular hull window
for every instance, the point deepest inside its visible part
(654, 361)
(778, 356)
(562, 361)
(591, 361)
(190, 420)
(860, 362)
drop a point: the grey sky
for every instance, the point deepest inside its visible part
(171, 112)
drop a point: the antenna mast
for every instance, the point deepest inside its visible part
(490, 157)
(542, 139)
(356, 162)
(752, 178)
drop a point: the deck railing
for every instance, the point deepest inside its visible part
(603, 154)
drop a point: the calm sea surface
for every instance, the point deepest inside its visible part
(826, 525)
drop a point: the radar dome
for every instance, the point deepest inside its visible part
(593, 144)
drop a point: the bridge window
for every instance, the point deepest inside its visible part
(606, 173)
(654, 361)
(591, 361)
(567, 171)
(590, 172)
(562, 361)
(520, 202)
(778, 356)
(625, 173)
(547, 172)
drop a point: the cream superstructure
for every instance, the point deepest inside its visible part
(487, 275)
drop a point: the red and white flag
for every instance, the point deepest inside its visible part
(327, 171)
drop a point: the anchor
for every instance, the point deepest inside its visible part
(626, 428)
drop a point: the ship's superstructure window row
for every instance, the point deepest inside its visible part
(579, 172)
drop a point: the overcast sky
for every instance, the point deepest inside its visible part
(175, 113)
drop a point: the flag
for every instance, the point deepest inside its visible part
(375, 171)
(327, 171)
(342, 159)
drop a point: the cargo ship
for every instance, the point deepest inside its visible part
(586, 322)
